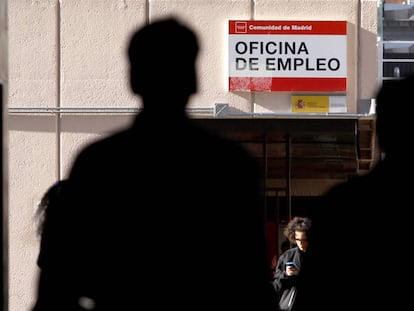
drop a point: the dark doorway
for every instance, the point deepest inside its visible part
(278, 215)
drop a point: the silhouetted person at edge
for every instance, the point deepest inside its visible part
(162, 215)
(363, 217)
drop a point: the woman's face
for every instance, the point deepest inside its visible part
(301, 240)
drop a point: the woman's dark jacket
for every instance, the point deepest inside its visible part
(281, 281)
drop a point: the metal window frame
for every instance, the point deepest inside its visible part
(381, 43)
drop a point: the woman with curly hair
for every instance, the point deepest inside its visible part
(288, 268)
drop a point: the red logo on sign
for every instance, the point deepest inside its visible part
(241, 27)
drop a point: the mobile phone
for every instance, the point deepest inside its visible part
(291, 264)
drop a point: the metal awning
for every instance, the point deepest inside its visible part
(301, 147)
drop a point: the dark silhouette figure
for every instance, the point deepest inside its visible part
(362, 217)
(48, 204)
(163, 214)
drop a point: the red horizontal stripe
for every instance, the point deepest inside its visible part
(287, 84)
(318, 27)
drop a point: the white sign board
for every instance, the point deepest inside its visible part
(287, 56)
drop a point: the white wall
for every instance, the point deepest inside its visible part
(71, 53)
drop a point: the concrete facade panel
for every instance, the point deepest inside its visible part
(94, 36)
(32, 171)
(32, 50)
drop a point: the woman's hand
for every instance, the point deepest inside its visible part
(291, 268)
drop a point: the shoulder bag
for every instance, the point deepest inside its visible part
(287, 299)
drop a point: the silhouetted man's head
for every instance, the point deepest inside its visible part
(394, 108)
(162, 57)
